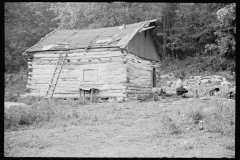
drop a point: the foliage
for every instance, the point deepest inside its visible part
(226, 32)
(184, 29)
(25, 24)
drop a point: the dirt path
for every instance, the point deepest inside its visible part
(128, 129)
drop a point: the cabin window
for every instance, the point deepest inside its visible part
(154, 78)
(145, 34)
(89, 75)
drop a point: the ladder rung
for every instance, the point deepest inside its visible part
(59, 65)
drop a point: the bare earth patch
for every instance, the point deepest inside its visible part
(128, 129)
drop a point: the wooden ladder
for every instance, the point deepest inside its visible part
(54, 73)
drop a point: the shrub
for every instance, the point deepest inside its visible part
(170, 126)
(222, 120)
(196, 115)
(219, 116)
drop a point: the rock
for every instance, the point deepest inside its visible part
(23, 95)
(8, 105)
(162, 105)
(232, 89)
(205, 81)
(201, 128)
(164, 76)
(169, 83)
(197, 77)
(226, 83)
(201, 122)
(190, 99)
(119, 99)
(158, 91)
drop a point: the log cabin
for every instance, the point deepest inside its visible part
(121, 62)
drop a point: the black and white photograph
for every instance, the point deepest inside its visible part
(119, 79)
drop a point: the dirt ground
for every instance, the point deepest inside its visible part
(127, 129)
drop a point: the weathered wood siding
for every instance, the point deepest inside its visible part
(139, 75)
(143, 46)
(110, 70)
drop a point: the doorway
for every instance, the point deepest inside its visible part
(154, 78)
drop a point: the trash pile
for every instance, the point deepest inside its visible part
(206, 83)
(199, 80)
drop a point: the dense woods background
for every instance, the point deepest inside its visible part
(202, 32)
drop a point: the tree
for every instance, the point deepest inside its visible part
(25, 24)
(225, 43)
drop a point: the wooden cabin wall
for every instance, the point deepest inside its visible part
(110, 65)
(139, 75)
(143, 46)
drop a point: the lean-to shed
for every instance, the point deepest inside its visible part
(120, 61)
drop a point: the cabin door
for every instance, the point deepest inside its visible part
(154, 78)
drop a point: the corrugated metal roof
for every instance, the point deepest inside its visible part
(101, 37)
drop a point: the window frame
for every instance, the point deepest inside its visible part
(88, 68)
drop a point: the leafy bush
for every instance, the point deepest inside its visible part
(202, 65)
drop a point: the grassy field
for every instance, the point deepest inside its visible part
(167, 128)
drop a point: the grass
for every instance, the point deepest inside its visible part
(219, 116)
(43, 111)
(67, 125)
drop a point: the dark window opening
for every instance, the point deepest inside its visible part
(145, 33)
(154, 79)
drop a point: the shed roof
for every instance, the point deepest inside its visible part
(101, 37)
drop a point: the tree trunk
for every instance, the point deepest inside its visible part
(171, 41)
(164, 36)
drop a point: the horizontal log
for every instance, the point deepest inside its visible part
(80, 55)
(102, 95)
(100, 81)
(77, 59)
(76, 62)
(76, 51)
(102, 78)
(138, 92)
(62, 91)
(48, 78)
(139, 89)
(100, 87)
(139, 84)
(129, 85)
